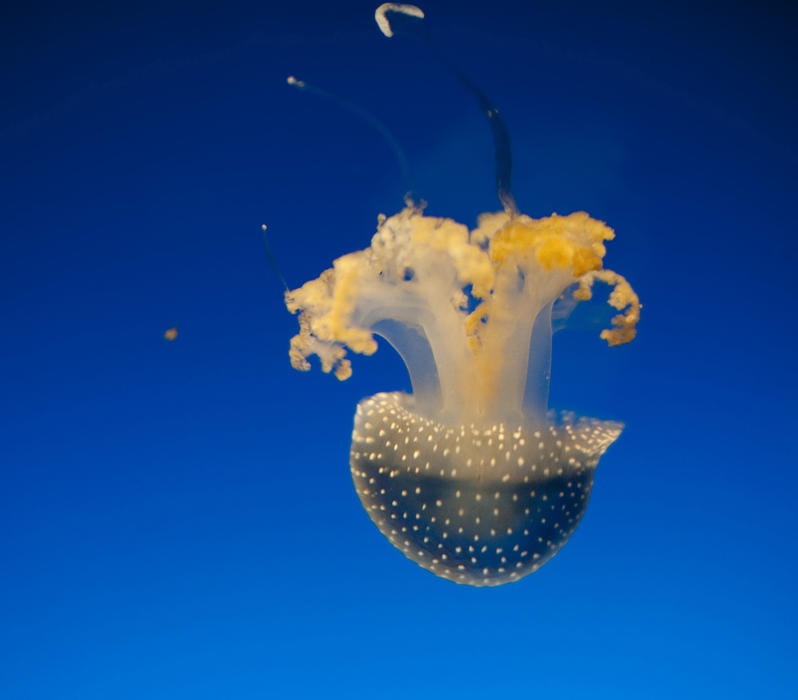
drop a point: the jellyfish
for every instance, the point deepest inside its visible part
(470, 475)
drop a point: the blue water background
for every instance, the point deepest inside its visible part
(177, 519)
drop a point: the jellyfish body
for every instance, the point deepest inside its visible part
(469, 476)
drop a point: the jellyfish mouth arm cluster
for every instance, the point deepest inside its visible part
(459, 306)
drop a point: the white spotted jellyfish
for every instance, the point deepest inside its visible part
(470, 476)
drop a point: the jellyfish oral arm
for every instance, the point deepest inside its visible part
(470, 367)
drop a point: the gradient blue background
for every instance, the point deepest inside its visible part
(177, 519)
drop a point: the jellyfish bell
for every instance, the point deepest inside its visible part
(469, 475)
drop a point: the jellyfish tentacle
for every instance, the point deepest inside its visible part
(402, 9)
(410, 17)
(411, 196)
(272, 259)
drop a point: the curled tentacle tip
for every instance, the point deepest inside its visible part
(381, 15)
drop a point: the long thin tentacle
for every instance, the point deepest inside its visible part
(370, 119)
(408, 19)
